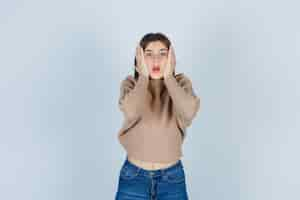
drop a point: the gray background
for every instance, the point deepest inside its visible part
(61, 63)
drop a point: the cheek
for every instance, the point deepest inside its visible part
(163, 63)
(148, 63)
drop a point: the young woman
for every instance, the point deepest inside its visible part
(157, 106)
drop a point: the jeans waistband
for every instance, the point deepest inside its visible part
(154, 172)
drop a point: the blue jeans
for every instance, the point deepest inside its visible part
(136, 183)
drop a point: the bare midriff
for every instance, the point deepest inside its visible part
(150, 165)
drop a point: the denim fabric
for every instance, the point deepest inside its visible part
(136, 183)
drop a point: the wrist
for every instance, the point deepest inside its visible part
(168, 79)
(168, 76)
(143, 76)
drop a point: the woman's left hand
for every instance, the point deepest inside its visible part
(171, 62)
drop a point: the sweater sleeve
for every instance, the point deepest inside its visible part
(132, 97)
(186, 102)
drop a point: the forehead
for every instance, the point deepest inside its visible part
(156, 46)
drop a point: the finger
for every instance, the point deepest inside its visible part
(173, 52)
(173, 58)
(142, 54)
(169, 54)
(138, 69)
(138, 59)
(143, 63)
(137, 51)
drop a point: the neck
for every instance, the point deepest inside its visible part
(156, 87)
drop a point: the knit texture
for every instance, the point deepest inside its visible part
(154, 125)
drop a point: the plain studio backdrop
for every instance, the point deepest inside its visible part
(61, 64)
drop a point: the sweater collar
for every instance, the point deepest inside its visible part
(156, 87)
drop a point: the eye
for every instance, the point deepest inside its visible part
(148, 54)
(163, 54)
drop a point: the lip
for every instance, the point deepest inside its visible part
(155, 69)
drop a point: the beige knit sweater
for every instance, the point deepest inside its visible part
(156, 115)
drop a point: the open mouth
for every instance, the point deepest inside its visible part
(155, 69)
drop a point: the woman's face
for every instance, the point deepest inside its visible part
(156, 54)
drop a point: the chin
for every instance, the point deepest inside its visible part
(156, 76)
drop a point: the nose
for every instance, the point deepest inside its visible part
(156, 64)
(156, 57)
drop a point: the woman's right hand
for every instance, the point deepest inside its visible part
(141, 65)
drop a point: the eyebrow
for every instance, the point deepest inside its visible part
(164, 49)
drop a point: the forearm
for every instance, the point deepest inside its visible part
(185, 102)
(132, 103)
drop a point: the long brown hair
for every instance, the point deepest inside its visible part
(152, 37)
